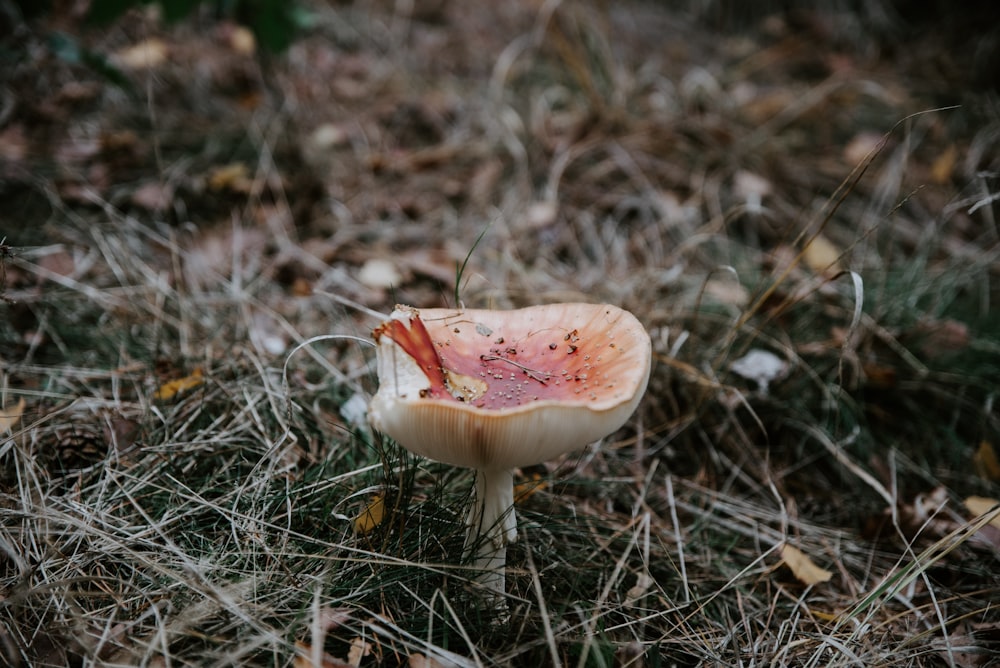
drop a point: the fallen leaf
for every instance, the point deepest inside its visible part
(822, 256)
(525, 490)
(980, 505)
(970, 645)
(371, 516)
(302, 287)
(986, 462)
(11, 415)
(304, 658)
(944, 165)
(360, 648)
(234, 176)
(639, 589)
(802, 566)
(421, 661)
(824, 616)
(142, 56)
(120, 432)
(175, 387)
(120, 143)
(878, 375)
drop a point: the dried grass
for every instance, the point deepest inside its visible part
(676, 173)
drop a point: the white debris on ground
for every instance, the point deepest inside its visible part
(761, 366)
(355, 410)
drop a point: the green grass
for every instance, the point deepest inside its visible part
(217, 527)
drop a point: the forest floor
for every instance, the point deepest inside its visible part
(800, 207)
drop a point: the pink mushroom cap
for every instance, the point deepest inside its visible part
(496, 390)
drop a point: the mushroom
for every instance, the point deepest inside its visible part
(496, 390)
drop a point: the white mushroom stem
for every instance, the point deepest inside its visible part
(491, 527)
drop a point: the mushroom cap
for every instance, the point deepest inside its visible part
(500, 389)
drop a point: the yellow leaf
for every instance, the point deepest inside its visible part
(986, 461)
(11, 415)
(175, 387)
(822, 256)
(371, 516)
(235, 177)
(524, 490)
(980, 505)
(944, 165)
(802, 566)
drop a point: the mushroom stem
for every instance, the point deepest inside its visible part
(491, 527)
